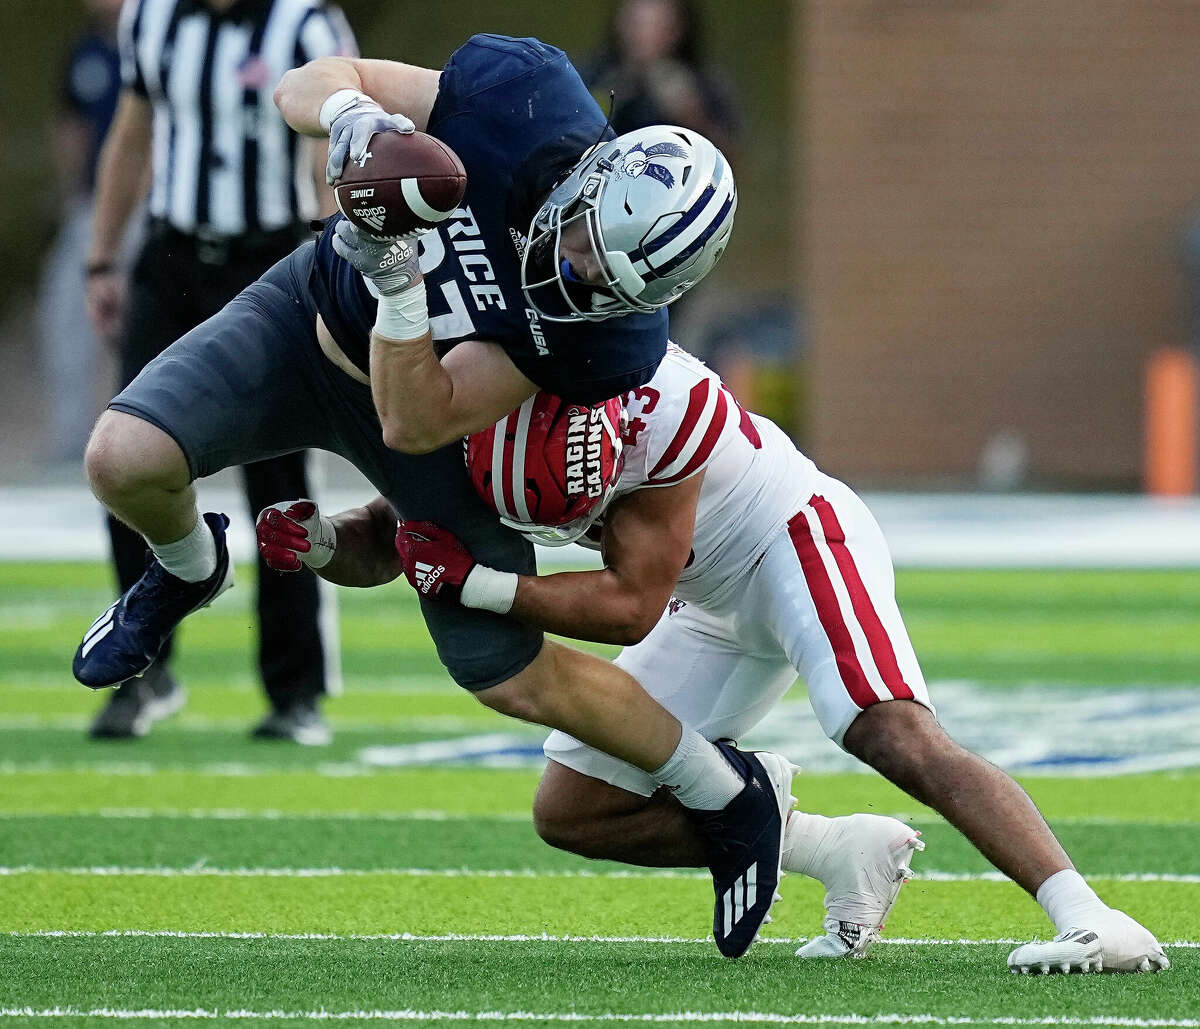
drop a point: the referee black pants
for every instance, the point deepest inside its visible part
(171, 292)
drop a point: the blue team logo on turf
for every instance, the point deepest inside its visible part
(639, 161)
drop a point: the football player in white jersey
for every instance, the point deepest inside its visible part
(731, 563)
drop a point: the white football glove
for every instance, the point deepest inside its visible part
(295, 533)
(351, 128)
(391, 265)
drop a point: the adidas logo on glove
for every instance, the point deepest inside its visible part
(427, 577)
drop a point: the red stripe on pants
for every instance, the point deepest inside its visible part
(830, 612)
(877, 637)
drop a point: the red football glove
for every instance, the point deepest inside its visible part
(435, 563)
(293, 534)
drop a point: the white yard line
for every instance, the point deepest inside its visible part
(46, 686)
(223, 769)
(201, 870)
(394, 723)
(205, 871)
(699, 1017)
(274, 815)
(909, 941)
(932, 875)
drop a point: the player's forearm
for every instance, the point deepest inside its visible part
(318, 152)
(596, 605)
(121, 178)
(303, 90)
(414, 395)
(365, 554)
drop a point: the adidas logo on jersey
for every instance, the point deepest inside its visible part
(427, 577)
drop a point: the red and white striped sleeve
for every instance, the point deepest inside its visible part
(691, 445)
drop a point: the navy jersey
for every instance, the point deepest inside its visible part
(519, 116)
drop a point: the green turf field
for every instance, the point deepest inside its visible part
(198, 877)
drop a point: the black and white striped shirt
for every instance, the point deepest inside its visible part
(224, 161)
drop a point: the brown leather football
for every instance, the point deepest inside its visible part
(406, 182)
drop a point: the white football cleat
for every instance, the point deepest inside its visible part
(1112, 942)
(870, 862)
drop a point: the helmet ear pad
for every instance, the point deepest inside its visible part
(624, 272)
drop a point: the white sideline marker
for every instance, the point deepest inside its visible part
(201, 870)
(183, 934)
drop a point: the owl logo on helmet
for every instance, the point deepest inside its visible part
(638, 160)
(549, 468)
(640, 220)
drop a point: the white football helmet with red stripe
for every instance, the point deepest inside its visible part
(549, 468)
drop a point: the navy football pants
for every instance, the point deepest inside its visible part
(252, 383)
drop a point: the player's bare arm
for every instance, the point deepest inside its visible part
(317, 156)
(647, 538)
(121, 183)
(353, 548)
(397, 88)
(423, 402)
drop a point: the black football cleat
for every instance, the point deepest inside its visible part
(126, 638)
(135, 706)
(745, 847)
(300, 723)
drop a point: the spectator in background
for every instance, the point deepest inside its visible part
(655, 67)
(653, 63)
(77, 373)
(652, 66)
(231, 188)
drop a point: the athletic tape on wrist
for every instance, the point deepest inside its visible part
(322, 544)
(404, 317)
(489, 590)
(338, 102)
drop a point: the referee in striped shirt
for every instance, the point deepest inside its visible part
(230, 190)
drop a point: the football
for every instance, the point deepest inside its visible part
(405, 182)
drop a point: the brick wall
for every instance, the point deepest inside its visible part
(994, 196)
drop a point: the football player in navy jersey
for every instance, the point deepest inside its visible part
(553, 274)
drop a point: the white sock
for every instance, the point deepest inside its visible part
(1068, 900)
(698, 774)
(193, 558)
(803, 843)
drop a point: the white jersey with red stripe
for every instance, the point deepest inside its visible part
(685, 421)
(790, 575)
